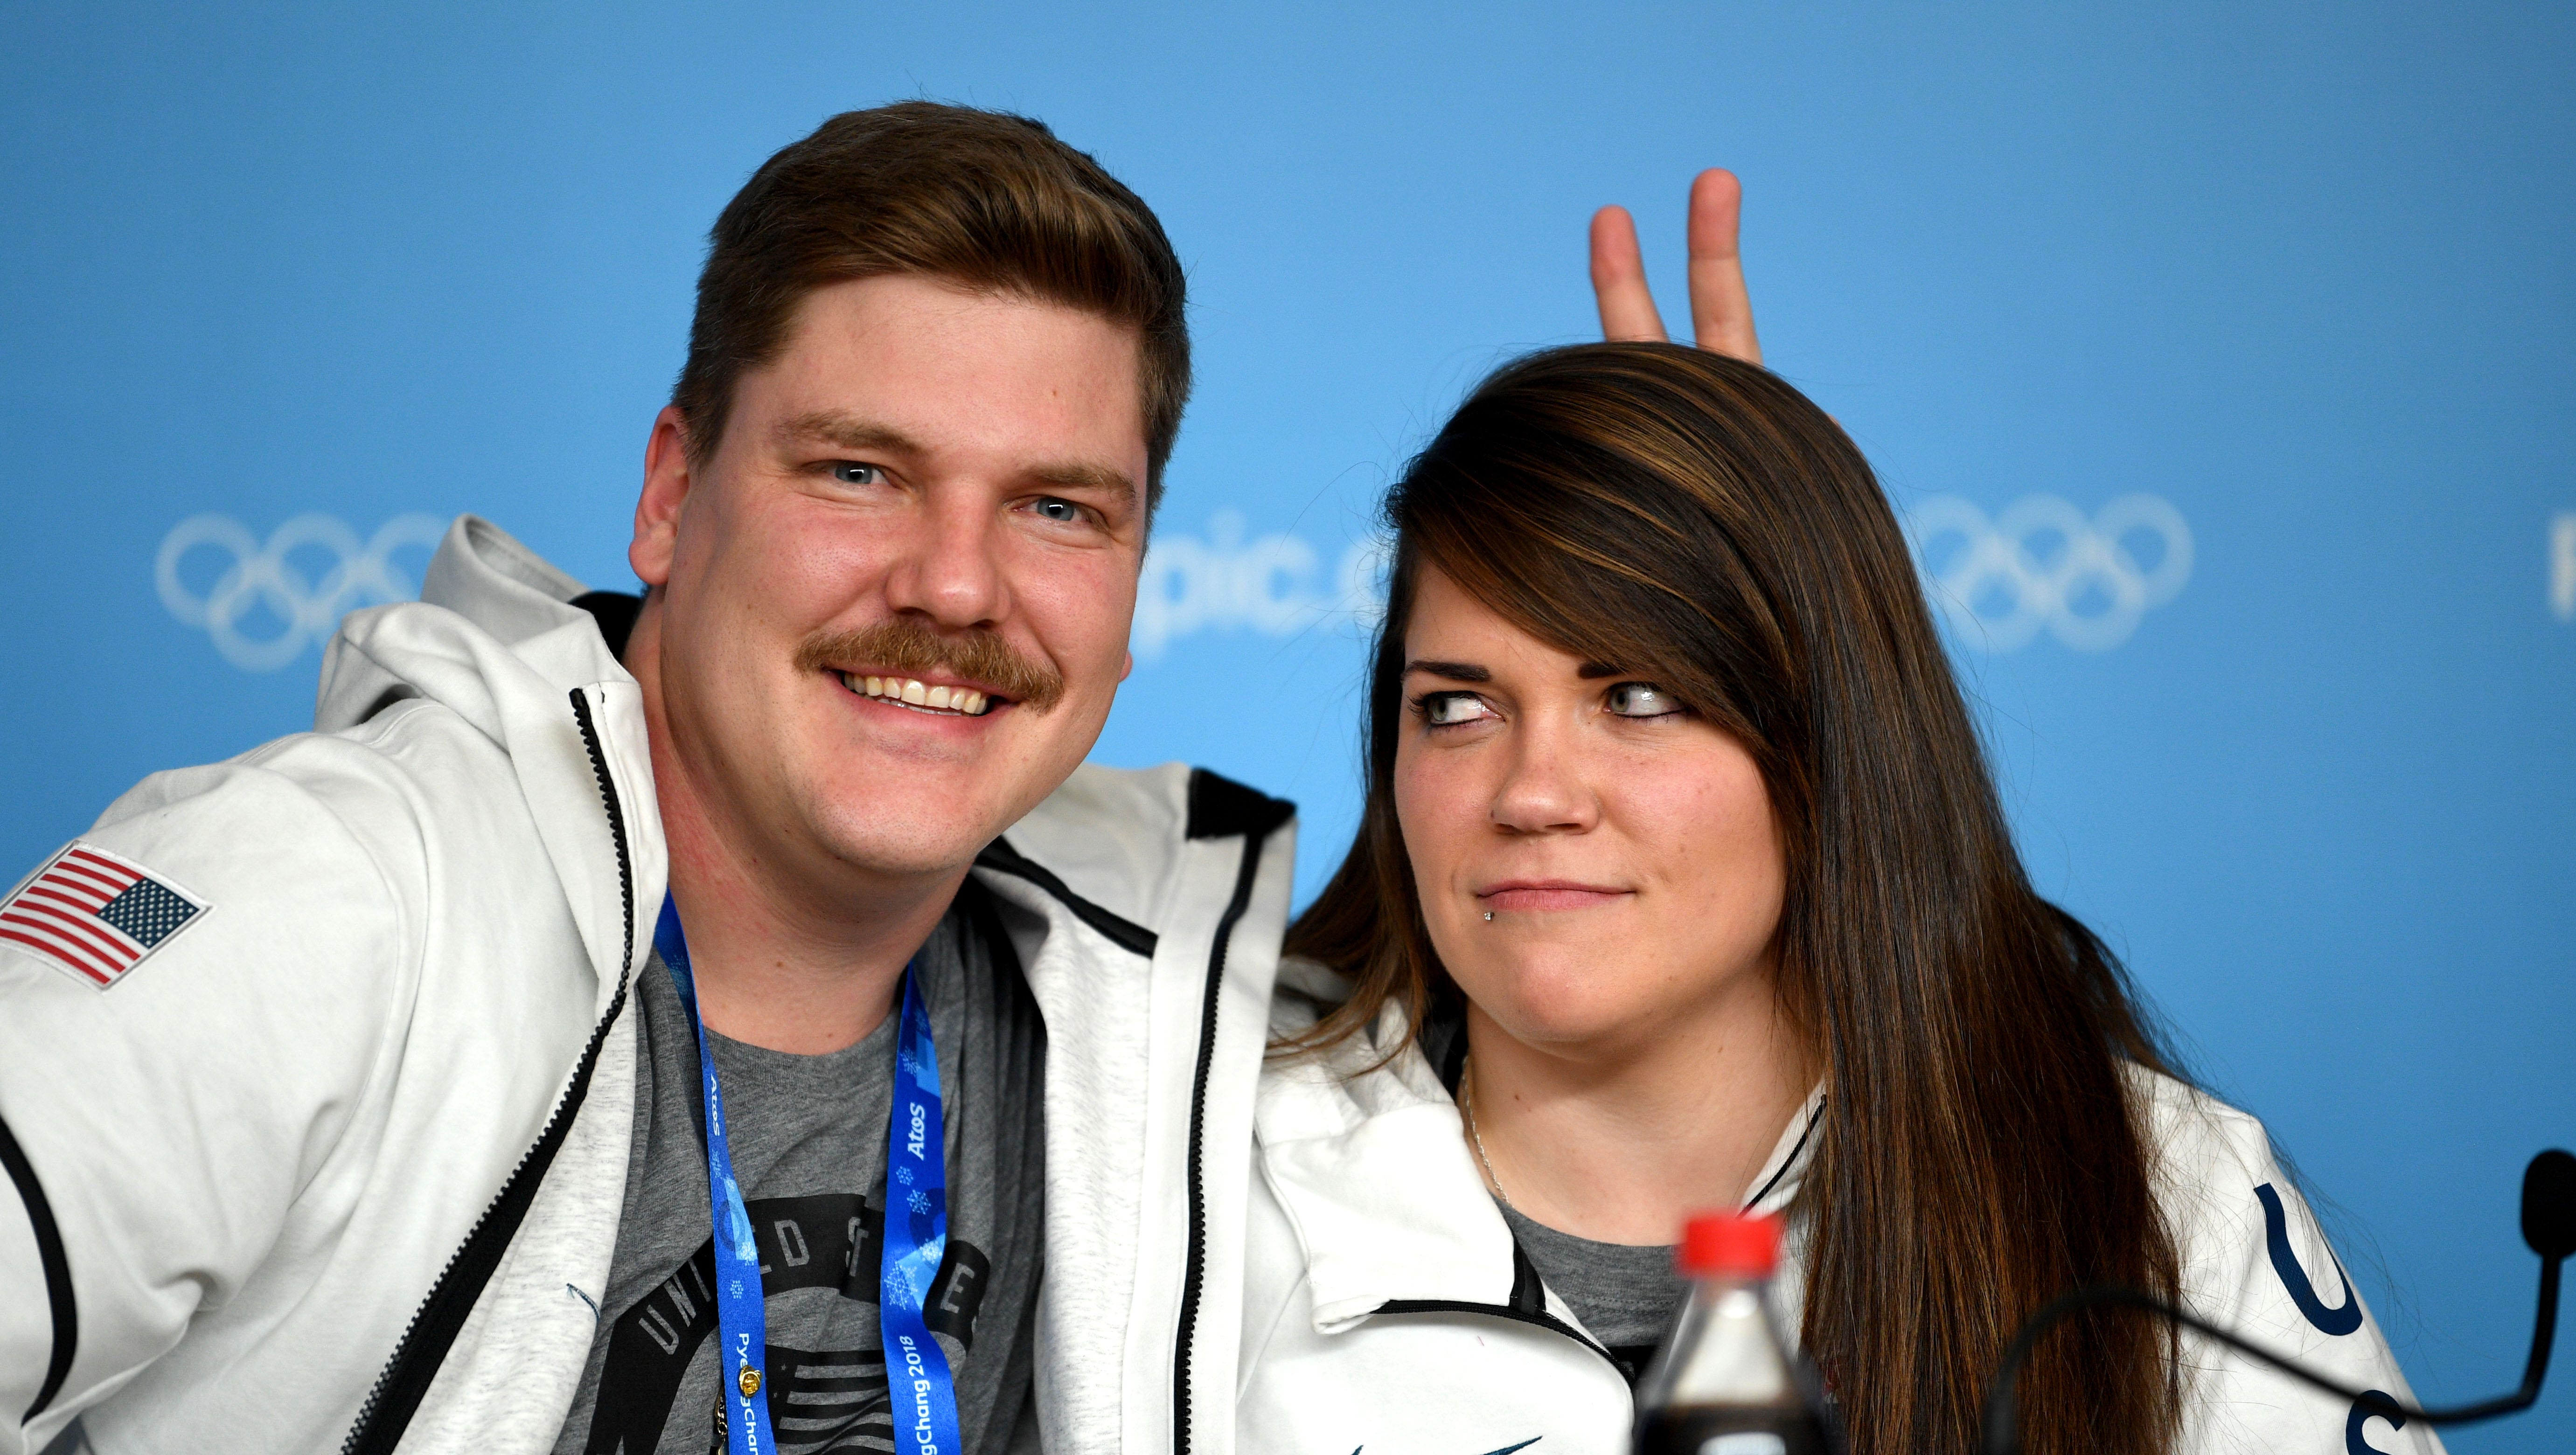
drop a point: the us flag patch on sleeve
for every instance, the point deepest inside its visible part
(96, 915)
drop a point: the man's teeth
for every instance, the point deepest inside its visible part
(963, 700)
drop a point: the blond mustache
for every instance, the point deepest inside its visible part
(903, 645)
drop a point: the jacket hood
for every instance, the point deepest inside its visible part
(495, 623)
(496, 639)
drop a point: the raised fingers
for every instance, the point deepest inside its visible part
(1721, 310)
(1619, 280)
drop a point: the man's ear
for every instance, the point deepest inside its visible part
(657, 509)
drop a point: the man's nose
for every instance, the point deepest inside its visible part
(950, 570)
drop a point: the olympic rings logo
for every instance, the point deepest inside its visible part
(2043, 564)
(266, 581)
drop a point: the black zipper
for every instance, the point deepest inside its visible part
(441, 1316)
(1194, 1270)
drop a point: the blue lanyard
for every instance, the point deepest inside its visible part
(916, 1236)
(916, 1239)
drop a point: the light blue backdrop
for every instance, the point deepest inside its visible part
(2280, 295)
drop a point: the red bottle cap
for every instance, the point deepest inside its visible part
(1728, 1245)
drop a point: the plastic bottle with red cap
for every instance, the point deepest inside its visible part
(1724, 1382)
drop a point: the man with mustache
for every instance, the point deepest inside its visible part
(695, 1022)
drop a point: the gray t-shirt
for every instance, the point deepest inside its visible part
(1625, 1294)
(808, 1139)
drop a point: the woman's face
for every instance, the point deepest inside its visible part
(1624, 847)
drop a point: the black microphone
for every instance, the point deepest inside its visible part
(2548, 1225)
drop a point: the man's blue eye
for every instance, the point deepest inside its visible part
(1063, 510)
(850, 473)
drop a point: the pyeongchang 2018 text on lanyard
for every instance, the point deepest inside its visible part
(923, 1394)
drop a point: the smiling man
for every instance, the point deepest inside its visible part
(620, 1023)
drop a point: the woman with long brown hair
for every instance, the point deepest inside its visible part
(1681, 884)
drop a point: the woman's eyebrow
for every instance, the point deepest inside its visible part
(1454, 671)
(1590, 670)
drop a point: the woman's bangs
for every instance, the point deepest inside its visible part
(1581, 562)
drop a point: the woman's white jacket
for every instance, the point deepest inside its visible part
(1387, 1309)
(339, 1164)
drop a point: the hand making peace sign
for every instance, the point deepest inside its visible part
(1721, 312)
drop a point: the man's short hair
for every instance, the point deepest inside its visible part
(984, 199)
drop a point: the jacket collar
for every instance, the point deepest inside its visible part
(1373, 1169)
(1776, 1186)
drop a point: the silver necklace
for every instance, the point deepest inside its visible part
(1467, 1105)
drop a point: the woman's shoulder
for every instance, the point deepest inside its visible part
(2194, 1135)
(2213, 1166)
(2254, 1259)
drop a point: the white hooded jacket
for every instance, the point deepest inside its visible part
(1388, 1308)
(338, 1163)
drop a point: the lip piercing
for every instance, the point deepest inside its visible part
(1489, 916)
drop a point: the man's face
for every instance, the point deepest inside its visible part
(939, 492)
